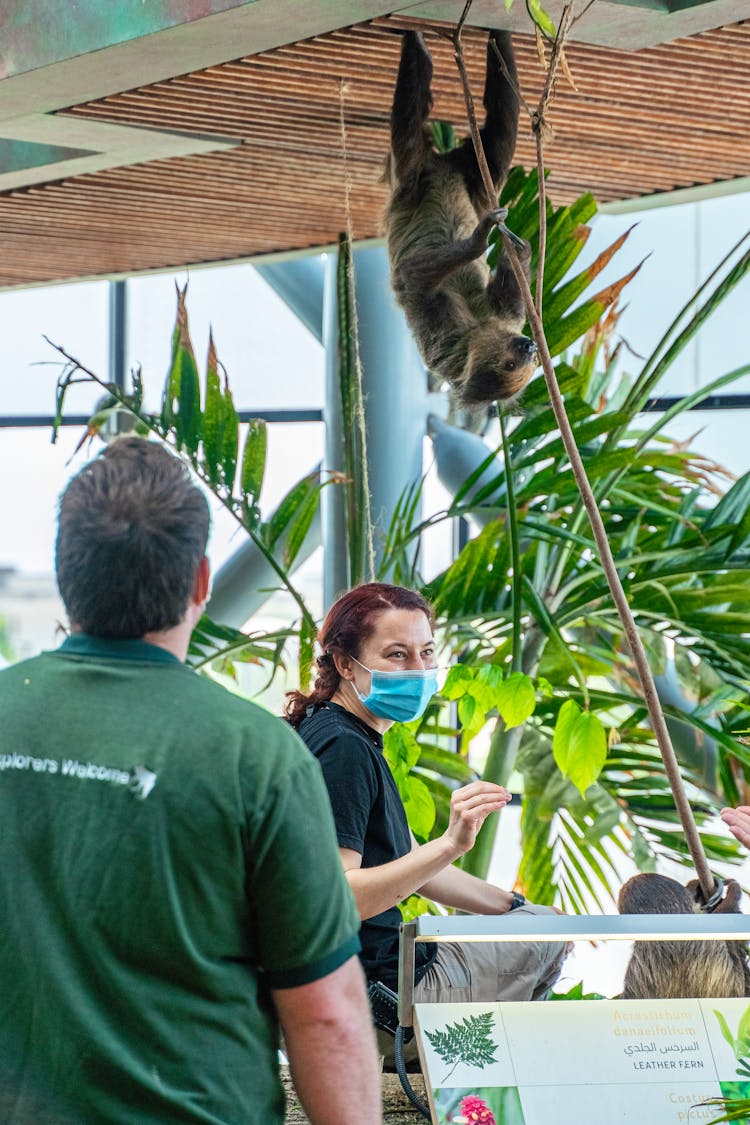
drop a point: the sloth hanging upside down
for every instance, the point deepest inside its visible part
(467, 321)
(667, 970)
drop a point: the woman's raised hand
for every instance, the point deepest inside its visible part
(738, 822)
(470, 807)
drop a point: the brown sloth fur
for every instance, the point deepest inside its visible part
(466, 320)
(681, 969)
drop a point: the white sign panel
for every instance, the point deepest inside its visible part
(583, 1062)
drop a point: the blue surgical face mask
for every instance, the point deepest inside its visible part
(398, 696)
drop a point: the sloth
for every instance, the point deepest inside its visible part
(668, 970)
(466, 320)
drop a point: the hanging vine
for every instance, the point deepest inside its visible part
(540, 127)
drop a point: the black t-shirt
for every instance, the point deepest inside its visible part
(370, 819)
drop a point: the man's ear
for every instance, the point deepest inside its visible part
(202, 583)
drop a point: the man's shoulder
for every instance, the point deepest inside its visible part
(201, 702)
(22, 669)
(237, 711)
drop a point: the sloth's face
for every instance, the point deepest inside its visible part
(498, 366)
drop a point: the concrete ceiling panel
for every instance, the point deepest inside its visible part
(628, 24)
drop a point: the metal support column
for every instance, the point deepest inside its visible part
(118, 330)
(395, 389)
(299, 282)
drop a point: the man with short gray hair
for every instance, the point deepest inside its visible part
(170, 887)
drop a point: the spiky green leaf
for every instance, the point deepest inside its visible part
(181, 409)
(213, 418)
(254, 461)
(230, 440)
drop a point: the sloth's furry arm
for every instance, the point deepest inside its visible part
(427, 269)
(503, 292)
(500, 127)
(411, 141)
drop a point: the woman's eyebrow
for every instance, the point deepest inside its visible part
(408, 644)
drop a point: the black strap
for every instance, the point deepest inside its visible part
(403, 1077)
(714, 898)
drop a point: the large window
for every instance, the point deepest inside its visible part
(275, 364)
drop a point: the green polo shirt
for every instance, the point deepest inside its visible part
(167, 856)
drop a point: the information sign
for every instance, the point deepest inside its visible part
(583, 1062)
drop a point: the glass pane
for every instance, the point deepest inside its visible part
(29, 603)
(437, 547)
(272, 361)
(667, 279)
(722, 344)
(30, 607)
(720, 435)
(277, 613)
(685, 244)
(74, 316)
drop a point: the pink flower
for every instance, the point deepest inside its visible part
(476, 1111)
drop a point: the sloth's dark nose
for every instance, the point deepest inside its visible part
(524, 346)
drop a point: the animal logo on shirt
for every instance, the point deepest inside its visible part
(142, 782)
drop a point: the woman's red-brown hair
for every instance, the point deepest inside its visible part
(349, 622)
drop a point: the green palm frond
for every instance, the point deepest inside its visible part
(681, 539)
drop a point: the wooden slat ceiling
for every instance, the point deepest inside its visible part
(663, 118)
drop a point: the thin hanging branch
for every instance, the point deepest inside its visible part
(650, 695)
(539, 126)
(515, 547)
(476, 139)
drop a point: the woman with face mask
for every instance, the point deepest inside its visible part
(378, 666)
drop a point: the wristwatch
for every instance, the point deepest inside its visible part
(518, 900)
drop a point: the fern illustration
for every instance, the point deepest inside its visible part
(468, 1041)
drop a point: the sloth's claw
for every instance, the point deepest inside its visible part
(519, 243)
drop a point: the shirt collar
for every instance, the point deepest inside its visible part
(373, 735)
(112, 648)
